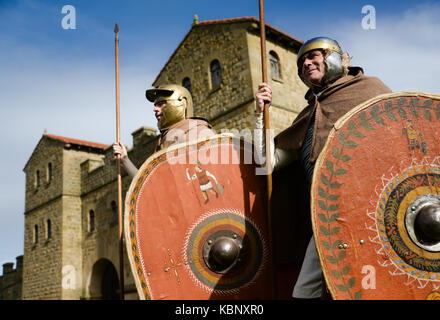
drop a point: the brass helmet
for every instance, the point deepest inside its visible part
(332, 57)
(174, 110)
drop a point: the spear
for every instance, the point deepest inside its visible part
(268, 145)
(121, 248)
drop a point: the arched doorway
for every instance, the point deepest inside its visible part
(104, 282)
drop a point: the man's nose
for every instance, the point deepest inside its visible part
(307, 62)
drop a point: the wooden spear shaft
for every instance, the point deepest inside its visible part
(268, 146)
(118, 139)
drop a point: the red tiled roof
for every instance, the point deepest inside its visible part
(77, 141)
(224, 21)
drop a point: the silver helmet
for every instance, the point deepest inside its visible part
(332, 57)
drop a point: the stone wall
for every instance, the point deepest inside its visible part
(47, 151)
(288, 91)
(71, 248)
(11, 280)
(42, 258)
(42, 254)
(102, 242)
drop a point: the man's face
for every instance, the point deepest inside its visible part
(158, 107)
(313, 67)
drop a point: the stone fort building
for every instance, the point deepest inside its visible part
(71, 248)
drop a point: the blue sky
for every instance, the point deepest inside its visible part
(63, 80)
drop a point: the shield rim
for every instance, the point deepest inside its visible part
(320, 161)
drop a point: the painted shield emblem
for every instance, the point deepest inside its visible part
(376, 200)
(195, 223)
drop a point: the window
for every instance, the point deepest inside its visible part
(91, 221)
(114, 212)
(37, 178)
(49, 172)
(216, 74)
(49, 229)
(274, 65)
(187, 84)
(36, 234)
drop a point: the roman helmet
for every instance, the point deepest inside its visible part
(175, 109)
(332, 57)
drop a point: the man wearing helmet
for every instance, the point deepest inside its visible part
(335, 88)
(173, 108)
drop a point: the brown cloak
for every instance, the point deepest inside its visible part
(290, 200)
(334, 101)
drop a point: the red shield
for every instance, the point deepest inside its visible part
(379, 165)
(182, 202)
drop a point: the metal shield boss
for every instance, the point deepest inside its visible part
(376, 200)
(195, 224)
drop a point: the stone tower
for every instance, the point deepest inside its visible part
(71, 248)
(52, 244)
(71, 229)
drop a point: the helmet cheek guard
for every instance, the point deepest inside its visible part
(334, 67)
(172, 112)
(178, 106)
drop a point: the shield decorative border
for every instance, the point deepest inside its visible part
(380, 161)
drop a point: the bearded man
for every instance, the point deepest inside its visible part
(335, 88)
(173, 109)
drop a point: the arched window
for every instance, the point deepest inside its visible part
(91, 221)
(274, 65)
(216, 74)
(36, 234)
(186, 82)
(114, 212)
(49, 172)
(49, 229)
